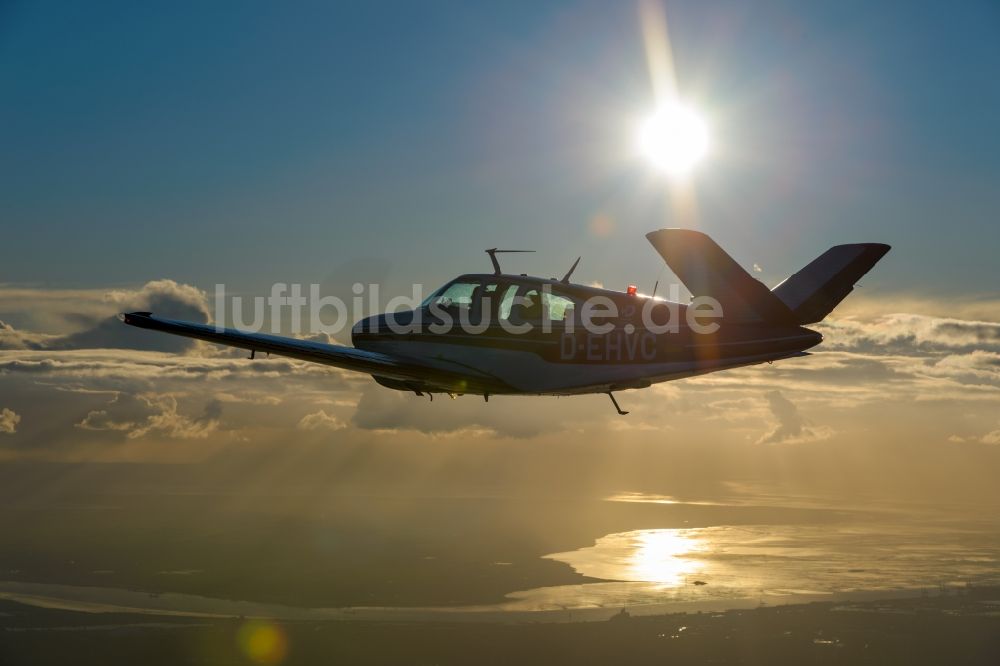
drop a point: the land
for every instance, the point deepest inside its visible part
(182, 529)
(955, 628)
(176, 529)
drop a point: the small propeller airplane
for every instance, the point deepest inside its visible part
(523, 335)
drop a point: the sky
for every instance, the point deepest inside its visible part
(153, 150)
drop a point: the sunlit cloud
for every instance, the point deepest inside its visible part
(8, 421)
(91, 319)
(877, 382)
(908, 330)
(320, 421)
(991, 438)
(161, 417)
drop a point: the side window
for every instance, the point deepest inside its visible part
(484, 303)
(527, 306)
(506, 300)
(559, 308)
(534, 305)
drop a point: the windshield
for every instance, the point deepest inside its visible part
(502, 300)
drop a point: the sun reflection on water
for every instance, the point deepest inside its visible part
(665, 556)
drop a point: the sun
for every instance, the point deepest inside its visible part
(674, 139)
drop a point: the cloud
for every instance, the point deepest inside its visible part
(979, 363)
(992, 438)
(164, 297)
(162, 418)
(8, 421)
(517, 417)
(966, 309)
(908, 331)
(113, 365)
(99, 419)
(790, 426)
(103, 330)
(11, 338)
(879, 381)
(324, 338)
(320, 421)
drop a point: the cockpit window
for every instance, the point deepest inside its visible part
(533, 304)
(520, 303)
(507, 301)
(559, 308)
(458, 294)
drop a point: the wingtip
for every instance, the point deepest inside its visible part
(881, 249)
(128, 317)
(675, 230)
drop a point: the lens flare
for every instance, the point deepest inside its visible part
(263, 642)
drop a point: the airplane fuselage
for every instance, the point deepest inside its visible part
(564, 357)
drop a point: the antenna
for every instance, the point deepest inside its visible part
(572, 268)
(493, 257)
(656, 285)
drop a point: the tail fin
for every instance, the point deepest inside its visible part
(706, 270)
(813, 292)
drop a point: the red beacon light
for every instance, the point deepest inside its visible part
(631, 291)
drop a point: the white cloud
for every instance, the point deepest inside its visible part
(991, 438)
(904, 330)
(320, 421)
(93, 324)
(8, 421)
(162, 418)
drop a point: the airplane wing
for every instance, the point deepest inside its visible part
(706, 270)
(421, 374)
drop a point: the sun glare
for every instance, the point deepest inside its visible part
(664, 556)
(673, 139)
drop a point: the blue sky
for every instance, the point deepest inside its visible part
(253, 142)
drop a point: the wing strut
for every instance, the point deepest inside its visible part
(615, 402)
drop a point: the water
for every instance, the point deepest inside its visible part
(773, 562)
(831, 554)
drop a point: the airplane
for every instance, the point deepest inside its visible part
(524, 335)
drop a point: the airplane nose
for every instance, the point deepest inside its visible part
(355, 330)
(360, 327)
(365, 325)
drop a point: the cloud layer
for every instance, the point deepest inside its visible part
(896, 395)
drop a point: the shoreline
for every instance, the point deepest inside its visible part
(96, 600)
